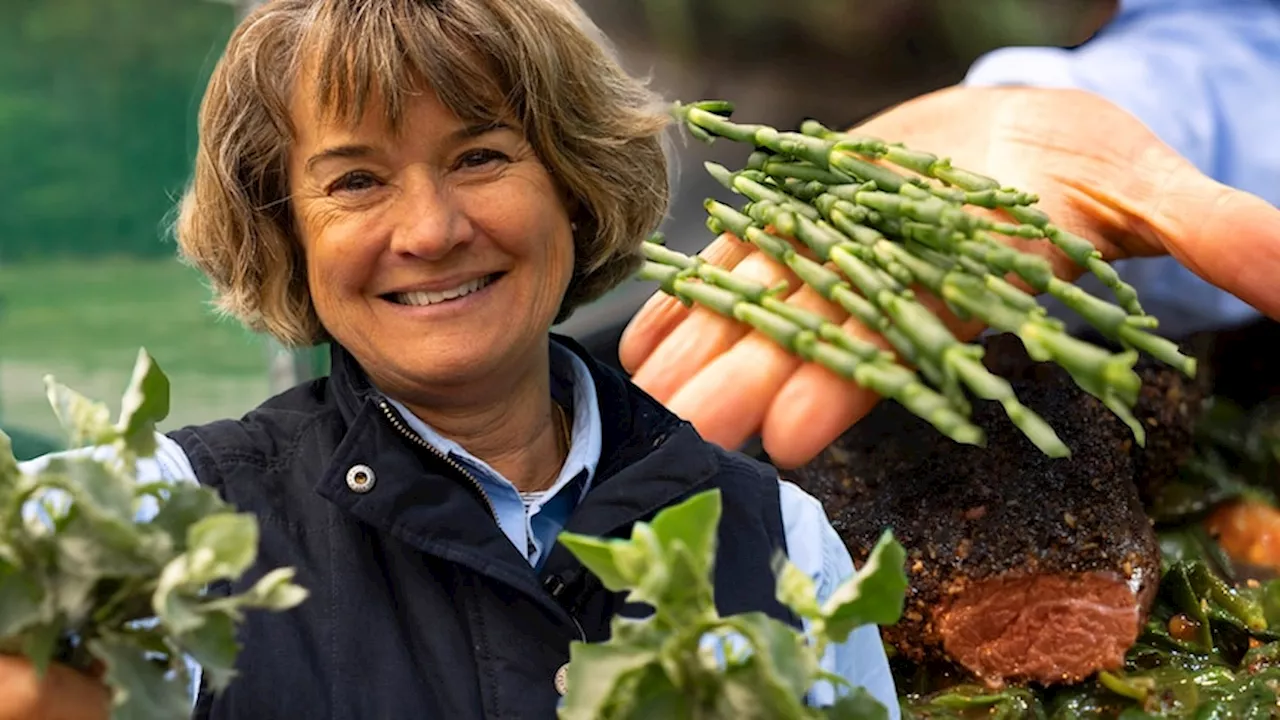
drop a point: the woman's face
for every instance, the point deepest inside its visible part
(437, 256)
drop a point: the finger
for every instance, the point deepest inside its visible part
(814, 407)
(661, 312)
(62, 694)
(962, 329)
(728, 398)
(1137, 194)
(1228, 237)
(703, 335)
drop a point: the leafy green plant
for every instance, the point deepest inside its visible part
(1210, 647)
(1208, 650)
(686, 661)
(86, 577)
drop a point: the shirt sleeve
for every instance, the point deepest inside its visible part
(170, 464)
(1204, 76)
(814, 547)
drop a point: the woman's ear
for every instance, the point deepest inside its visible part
(573, 208)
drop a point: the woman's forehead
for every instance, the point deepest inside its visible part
(358, 64)
(419, 112)
(422, 115)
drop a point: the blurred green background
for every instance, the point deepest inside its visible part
(97, 125)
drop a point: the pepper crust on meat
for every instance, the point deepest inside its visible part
(1022, 567)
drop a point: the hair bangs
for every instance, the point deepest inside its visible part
(374, 56)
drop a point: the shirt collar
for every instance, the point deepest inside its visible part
(569, 377)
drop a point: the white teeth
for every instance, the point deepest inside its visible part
(431, 298)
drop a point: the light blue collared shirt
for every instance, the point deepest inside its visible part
(812, 544)
(1204, 76)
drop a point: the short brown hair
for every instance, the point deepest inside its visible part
(598, 129)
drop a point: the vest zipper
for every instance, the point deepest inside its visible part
(399, 425)
(581, 633)
(417, 439)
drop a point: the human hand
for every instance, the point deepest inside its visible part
(1099, 173)
(63, 694)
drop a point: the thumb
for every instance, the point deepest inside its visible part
(1134, 193)
(1228, 237)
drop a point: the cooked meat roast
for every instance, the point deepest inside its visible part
(1022, 567)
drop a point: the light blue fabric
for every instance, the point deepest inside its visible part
(812, 543)
(533, 529)
(1204, 76)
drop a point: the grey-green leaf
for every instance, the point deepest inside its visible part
(275, 591)
(874, 595)
(649, 694)
(145, 403)
(85, 421)
(613, 561)
(596, 671)
(8, 465)
(21, 600)
(747, 692)
(693, 522)
(858, 704)
(39, 643)
(99, 491)
(788, 664)
(173, 600)
(183, 506)
(84, 548)
(683, 593)
(797, 591)
(76, 562)
(72, 596)
(141, 689)
(222, 546)
(214, 647)
(652, 586)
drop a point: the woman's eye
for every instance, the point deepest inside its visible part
(481, 157)
(354, 182)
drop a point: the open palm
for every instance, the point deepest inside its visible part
(1099, 173)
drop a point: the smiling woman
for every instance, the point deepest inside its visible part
(428, 186)
(439, 256)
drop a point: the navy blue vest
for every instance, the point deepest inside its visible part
(420, 607)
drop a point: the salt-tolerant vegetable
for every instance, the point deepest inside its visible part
(96, 567)
(1206, 651)
(1210, 647)
(868, 224)
(686, 662)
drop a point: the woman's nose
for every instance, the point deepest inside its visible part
(428, 223)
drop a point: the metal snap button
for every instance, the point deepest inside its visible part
(562, 679)
(360, 478)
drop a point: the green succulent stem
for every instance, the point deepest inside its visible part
(928, 334)
(1081, 251)
(830, 285)
(868, 223)
(807, 335)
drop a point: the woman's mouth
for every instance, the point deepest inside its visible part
(425, 299)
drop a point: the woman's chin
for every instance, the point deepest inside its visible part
(468, 364)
